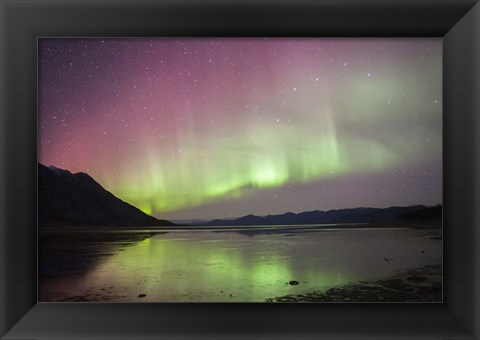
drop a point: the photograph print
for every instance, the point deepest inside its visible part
(240, 170)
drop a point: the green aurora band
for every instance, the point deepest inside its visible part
(205, 121)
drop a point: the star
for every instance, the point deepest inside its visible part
(213, 108)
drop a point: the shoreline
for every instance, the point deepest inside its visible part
(423, 284)
(329, 226)
(67, 256)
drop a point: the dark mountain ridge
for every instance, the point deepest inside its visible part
(66, 199)
(427, 214)
(336, 216)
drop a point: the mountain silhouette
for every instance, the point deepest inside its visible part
(66, 199)
(427, 214)
(354, 215)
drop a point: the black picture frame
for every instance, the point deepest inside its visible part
(23, 21)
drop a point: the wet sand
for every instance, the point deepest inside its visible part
(416, 285)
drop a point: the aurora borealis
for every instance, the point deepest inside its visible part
(214, 128)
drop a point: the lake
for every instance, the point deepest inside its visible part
(204, 264)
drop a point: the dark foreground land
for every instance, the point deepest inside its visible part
(416, 285)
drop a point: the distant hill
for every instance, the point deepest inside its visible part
(355, 215)
(426, 214)
(66, 199)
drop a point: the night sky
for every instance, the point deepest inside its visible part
(213, 128)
